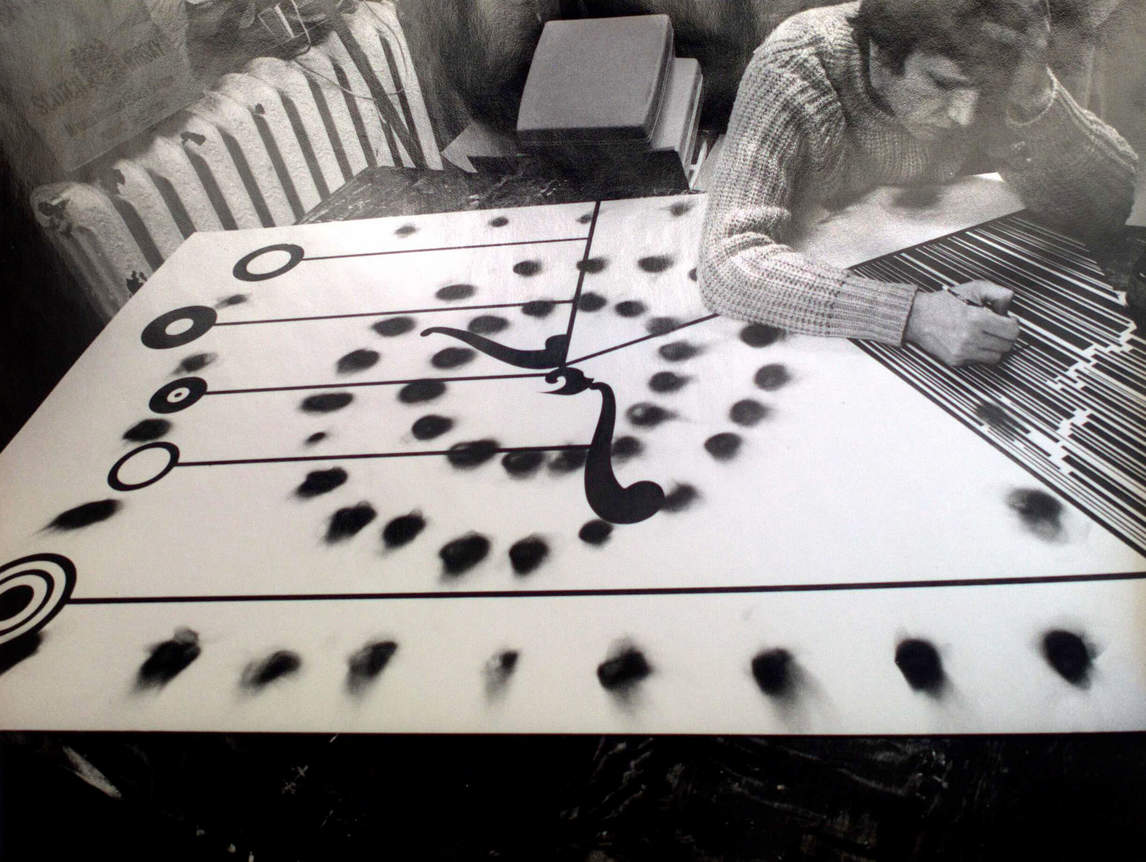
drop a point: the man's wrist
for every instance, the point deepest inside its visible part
(1031, 99)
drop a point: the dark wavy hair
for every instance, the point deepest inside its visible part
(952, 28)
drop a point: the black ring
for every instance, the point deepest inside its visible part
(113, 474)
(63, 582)
(242, 269)
(155, 334)
(196, 387)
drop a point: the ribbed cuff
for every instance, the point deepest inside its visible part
(872, 309)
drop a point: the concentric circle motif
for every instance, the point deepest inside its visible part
(199, 319)
(178, 395)
(32, 591)
(113, 477)
(242, 270)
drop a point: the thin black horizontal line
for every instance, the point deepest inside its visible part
(638, 340)
(345, 385)
(389, 313)
(416, 453)
(444, 248)
(601, 593)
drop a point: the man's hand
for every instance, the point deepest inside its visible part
(1025, 29)
(946, 326)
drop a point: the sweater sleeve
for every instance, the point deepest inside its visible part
(1067, 164)
(786, 128)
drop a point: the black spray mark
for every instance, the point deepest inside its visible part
(169, 659)
(19, 648)
(393, 326)
(773, 671)
(646, 415)
(678, 351)
(522, 464)
(498, 670)
(692, 274)
(538, 308)
(430, 426)
(919, 662)
(584, 218)
(363, 667)
(723, 446)
(85, 515)
(661, 325)
(681, 497)
(1069, 655)
(525, 555)
(348, 520)
(759, 335)
(462, 554)
(455, 292)
(357, 360)
(666, 381)
(623, 671)
(629, 308)
(320, 482)
(452, 357)
(487, 324)
(592, 265)
(472, 453)
(325, 402)
(679, 208)
(627, 447)
(148, 429)
(595, 532)
(998, 418)
(568, 461)
(747, 412)
(233, 299)
(498, 221)
(590, 301)
(316, 437)
(527, 268)
(1039, 511)
(771, 377)
(405, 230)
(403, 530)
(655, 263)
(195, 362)
(421, 391)
(278, 664)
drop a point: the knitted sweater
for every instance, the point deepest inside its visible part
(805, 130)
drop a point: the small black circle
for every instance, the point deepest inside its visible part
(172, 459)
(242, 269)
(178, 395)
(156, 336)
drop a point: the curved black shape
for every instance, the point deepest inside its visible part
(56, 572)
(550, 356)
(607, 497)
(242, 268)
(155, 335)
(575, 381)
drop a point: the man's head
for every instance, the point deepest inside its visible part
(933, 61)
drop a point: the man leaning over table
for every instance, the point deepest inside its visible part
(841, 99)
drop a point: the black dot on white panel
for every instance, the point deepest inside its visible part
(526, 555)
(455, 292)
(527, 268)
(624, 670)
(655, 263)
(319, 482)
(169, 659)
(760, 335)
(692, 274)
(147, 429)
(568, 461)
(747, 412)
(592, 265)
(521, 465)
(349, 521)
(538, 308)
(316, 437)
(498, 670)
(1069, 654)
(357, 360)
(1039, 511)
(661, 325)
(681, 497)
(325, 402)
(646, 415)
(584, 218)
(595, 532)
(772, 376)
(85, 515)
(487, 324)
(460, 555)
(678, 351)
(629, 308)
(430, 426)
(773, 670)
(195, 362)
(590, 301)
(626, 446)
(667, 381)
(919, 662)
(420, 391)
(679, 208)
(498, 221)
(233, 299)
(472, 453)
(391, 327)
(279, 664)
(365, 664)
(405, 230)
(723, 446)
(402, 530)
